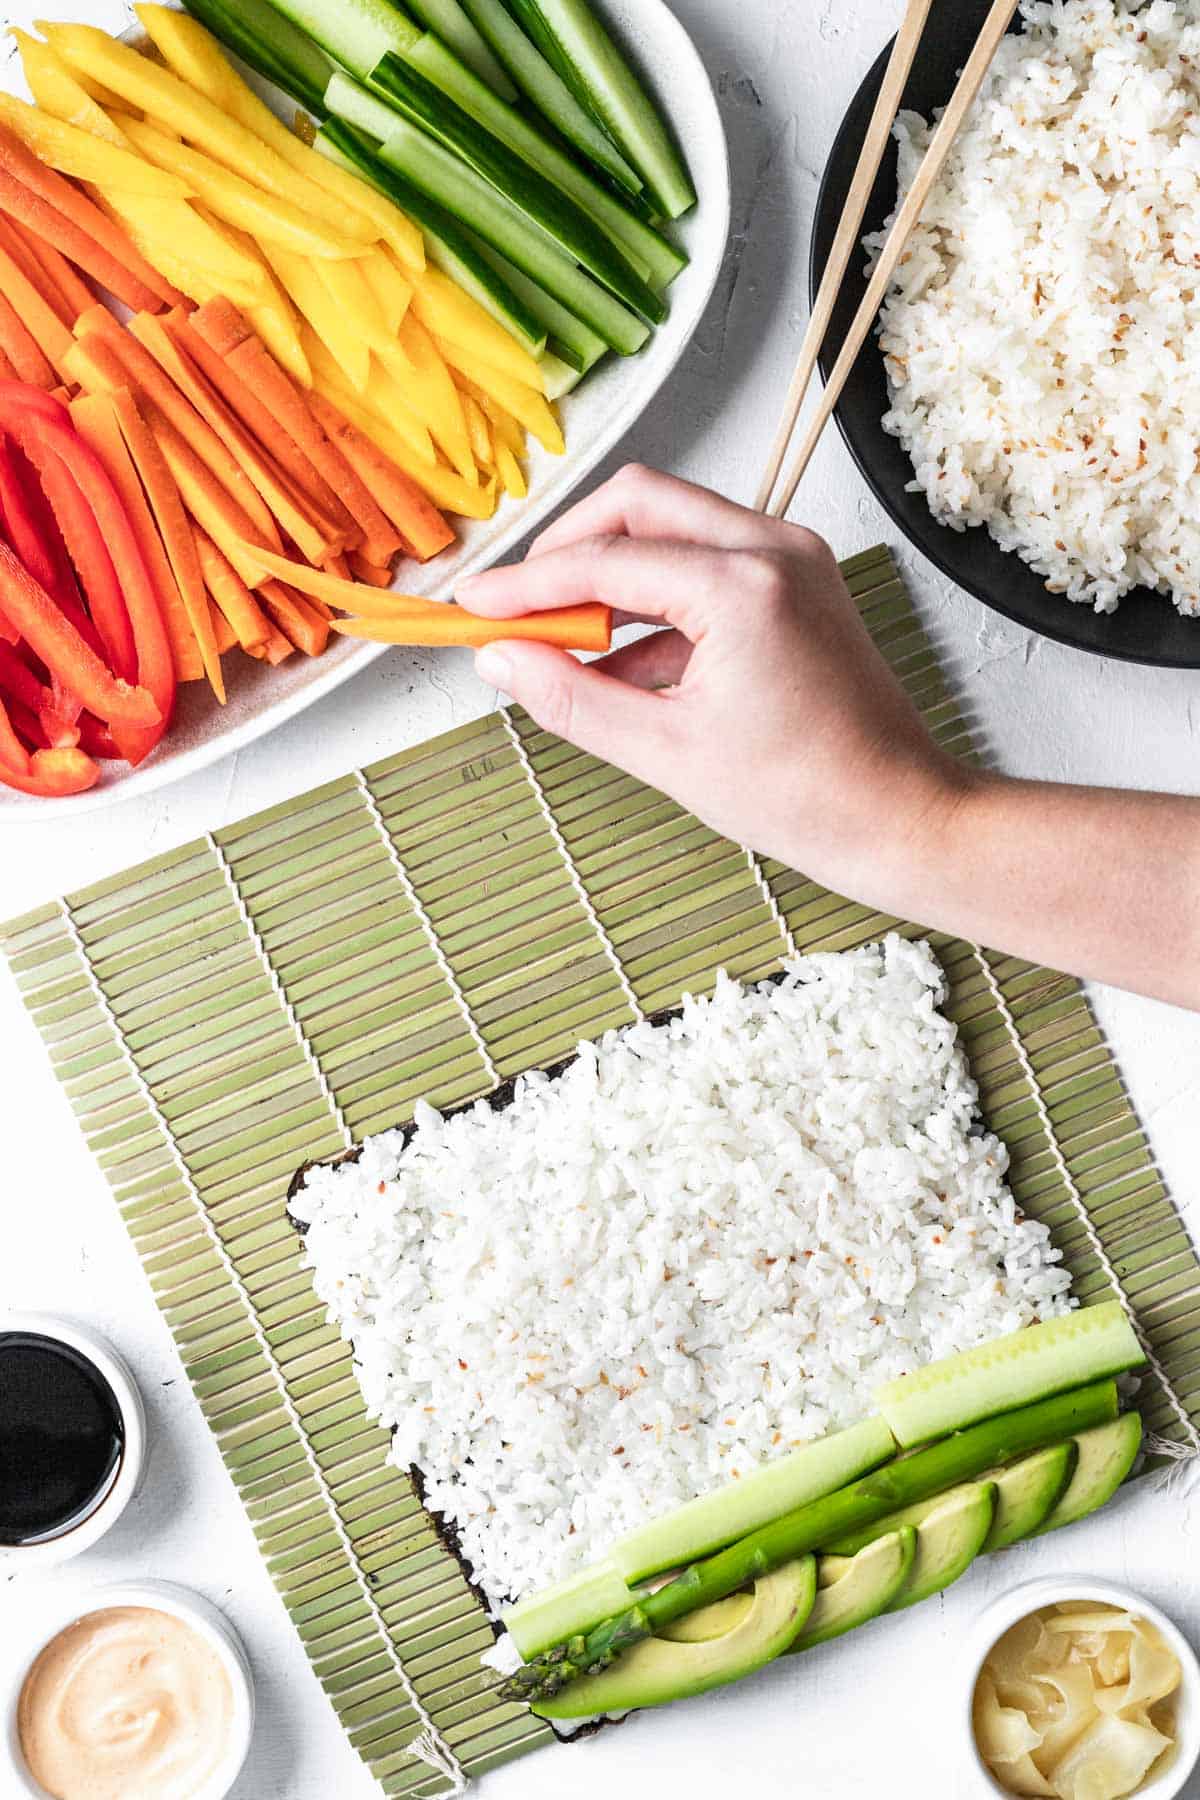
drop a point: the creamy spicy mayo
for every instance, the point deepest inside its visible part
(126, 1701)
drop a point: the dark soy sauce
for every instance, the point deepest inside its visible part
(61, 1438)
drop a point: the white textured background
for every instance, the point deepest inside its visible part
(878, 1713)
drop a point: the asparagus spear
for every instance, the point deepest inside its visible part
(916, 1476)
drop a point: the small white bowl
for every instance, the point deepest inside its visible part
(1049, 1590)
(159, 1596)
(101, 1354)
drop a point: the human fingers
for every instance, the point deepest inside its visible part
(645, 580)
(657, 660)
(644, 503)
(611, 719)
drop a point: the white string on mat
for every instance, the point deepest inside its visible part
(585, 899)
(277, 989)
(428, 1747)
(426, 924)
(772, 905)
(1157, 1446)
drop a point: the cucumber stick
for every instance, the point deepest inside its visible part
(1010, 1371)
(454, 25)
(575, 342)
(775, 1487)
(432, 170)
(558, 377)
(599, 72)
(448, 246)
(356, 33)
(271, 44)
(540, 200)
(646, 250)
(549, 92)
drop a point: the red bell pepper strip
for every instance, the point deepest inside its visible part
(51, 773)
(14, 757)
(19, 683)
(96, 738)
(40, 436)
(91, 558)
(29, 725)
(34, 399)
(65, 653)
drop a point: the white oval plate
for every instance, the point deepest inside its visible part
(595, 417)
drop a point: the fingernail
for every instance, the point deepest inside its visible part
(494, 665)
(468, 581)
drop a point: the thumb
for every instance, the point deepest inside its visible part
(629, 726)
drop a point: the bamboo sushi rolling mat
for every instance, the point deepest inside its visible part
(429, 926)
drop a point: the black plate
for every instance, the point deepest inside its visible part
(1145, 628)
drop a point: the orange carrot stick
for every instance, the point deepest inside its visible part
(376, 575)
(7, 371)
(147, 376)
(36, 314)
(74, 296)
(260, 422)
(250, 624)
(252, 361)
(586, 627)
(415, 517)
(94, 417)
(224, 636)
(277, 648)
(175, 530)
(22, 352)
(296, 618)
(53, 207)
(230, 528)
(16, 244)
(268, 480)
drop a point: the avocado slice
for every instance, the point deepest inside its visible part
(916, 1514)
(663, 1669)
(852, 1590)
(711, 1621)
(948, 1541)
(1106, 1455)
(1028, 1491)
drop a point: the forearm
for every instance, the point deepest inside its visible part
(1100, 883)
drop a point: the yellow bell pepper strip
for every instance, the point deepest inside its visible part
(195, 56)
(233, 198)
(531, 408)
(87, 158)
(163, 98)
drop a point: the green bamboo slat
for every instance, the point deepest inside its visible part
(425, 928)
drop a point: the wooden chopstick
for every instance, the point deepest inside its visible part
(849, 231)
(969, 83)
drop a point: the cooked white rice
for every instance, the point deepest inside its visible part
(702, 1242)
(1042, 338)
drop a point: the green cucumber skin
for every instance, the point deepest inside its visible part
(584, 346)
(617, 97)
(450, 248)
(550, 210)
(453, 24)
(549, 93)
(271, 45)
(493, 219)
(646, 250)
(1008, 1372)
(356, 33)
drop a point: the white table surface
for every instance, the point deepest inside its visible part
(877, 1713)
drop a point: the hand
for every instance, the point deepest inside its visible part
(764, 707)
